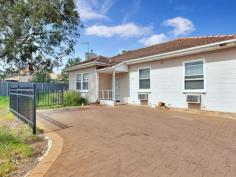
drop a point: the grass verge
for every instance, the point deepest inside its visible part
(17, 144)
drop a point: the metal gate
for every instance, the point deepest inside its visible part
(23, 103)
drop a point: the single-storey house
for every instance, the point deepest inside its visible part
(192, 72)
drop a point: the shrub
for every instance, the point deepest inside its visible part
(73, 98)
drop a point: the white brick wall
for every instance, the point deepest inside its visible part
(167, 81)
(91, 94)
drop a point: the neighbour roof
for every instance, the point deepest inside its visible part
(171, 46)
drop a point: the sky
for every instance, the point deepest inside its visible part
(111, 26)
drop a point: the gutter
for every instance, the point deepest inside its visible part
(183, 52)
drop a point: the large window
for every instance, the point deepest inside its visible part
(194, 75)
(144, 78)
(82, 82)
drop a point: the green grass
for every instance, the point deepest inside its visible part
(4, 113)
(50, 107)
(4, 102)
(15, 138)
(12, 150)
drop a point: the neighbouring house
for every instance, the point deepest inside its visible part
(24, 75)
(193, 72)
(21, 75)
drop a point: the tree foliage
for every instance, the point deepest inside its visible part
(37, 33)
(71, 61)
(41, 77)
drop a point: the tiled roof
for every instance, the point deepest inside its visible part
(175, 45)
(171, 46)
(95, 59)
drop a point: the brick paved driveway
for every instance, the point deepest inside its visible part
(131, 141)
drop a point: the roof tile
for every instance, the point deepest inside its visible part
(175, 45)
(171, 46)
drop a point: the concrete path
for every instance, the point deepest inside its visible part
(131, 141)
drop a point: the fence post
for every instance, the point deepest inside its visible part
(34, 108)
(7, 88)
(62, 96)
(17, 91)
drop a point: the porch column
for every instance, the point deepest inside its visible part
(113, 85)
(97, 85)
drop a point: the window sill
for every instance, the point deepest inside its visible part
(144, 91)
(83, 91)
(194, 91)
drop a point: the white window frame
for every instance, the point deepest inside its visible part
(204, 77)
(81, 85)
(144, 90)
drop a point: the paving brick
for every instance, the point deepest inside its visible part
(128, 141)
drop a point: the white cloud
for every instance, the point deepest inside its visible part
(94, 9)
(132, 10)
(124, 30)
(106, 6)
(182, 26)
(154, 39)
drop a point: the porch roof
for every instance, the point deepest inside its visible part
(118, 69)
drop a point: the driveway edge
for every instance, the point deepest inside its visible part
(55, 145)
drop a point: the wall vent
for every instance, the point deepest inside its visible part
(196, 99)
(143, 96)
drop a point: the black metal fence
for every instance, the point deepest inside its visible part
(47, 98)
(22, 103)
(25, 98)
(5, 86)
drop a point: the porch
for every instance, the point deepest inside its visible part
(112, 86)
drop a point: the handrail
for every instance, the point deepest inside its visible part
(105, 94)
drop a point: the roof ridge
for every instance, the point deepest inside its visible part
(201, 37)
(193, 37)
(129, 51)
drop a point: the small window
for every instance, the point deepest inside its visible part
(85, 81)
(82, 82)
(144, 78)
(194, 76)
(78, 83)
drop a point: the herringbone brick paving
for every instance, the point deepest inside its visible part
(128, 141)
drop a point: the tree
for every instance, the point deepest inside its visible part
(37, 33)
(64, 76)
(2, 76)
(41, 77)
(71, 61)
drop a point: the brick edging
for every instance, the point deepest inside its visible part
(47, 160)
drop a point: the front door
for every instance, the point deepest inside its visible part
(117, 89)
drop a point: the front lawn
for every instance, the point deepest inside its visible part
(17, 144)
